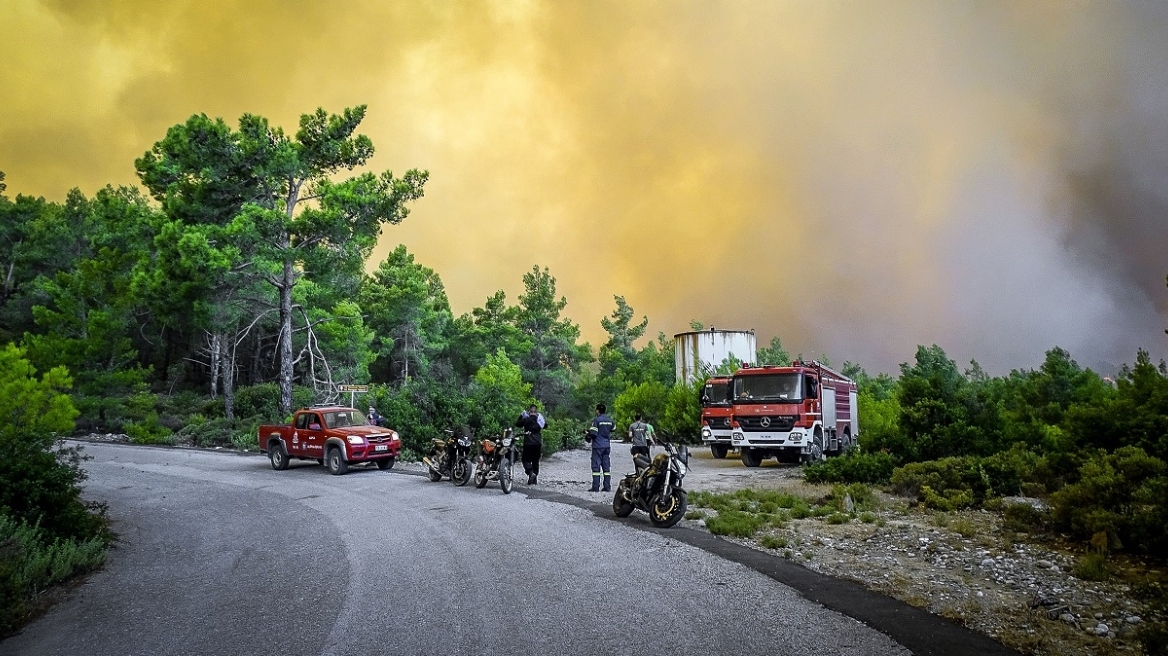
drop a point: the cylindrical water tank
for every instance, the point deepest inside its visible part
(698, 353)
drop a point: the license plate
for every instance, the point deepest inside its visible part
(380, 447)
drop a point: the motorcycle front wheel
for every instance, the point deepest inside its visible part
(460, 472)
(480, 475)
(667, 511)
(507, 474)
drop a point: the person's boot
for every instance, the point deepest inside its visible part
(607, 484)
(595, 484)
(531, 479)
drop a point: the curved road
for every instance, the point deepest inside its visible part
(219, 554)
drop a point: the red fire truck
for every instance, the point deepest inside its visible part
(716, 411)
(803, 412)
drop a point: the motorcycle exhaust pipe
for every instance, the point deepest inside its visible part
(430, 463)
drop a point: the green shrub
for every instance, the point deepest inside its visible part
(148, 431)
(1023, 518)
(1121, 494)
(736, 523)
(31, 561)
(263, 401)
(773, 542)
(868, 518)
(207, 433)
(563, 433)
(854, 466)
(1093, 567)
(861, 495)
(948, 500)
(838, 518)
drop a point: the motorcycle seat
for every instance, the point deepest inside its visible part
(640, 461)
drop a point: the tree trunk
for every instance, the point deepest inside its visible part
(216, 346)
(286, 283)
(229, 381)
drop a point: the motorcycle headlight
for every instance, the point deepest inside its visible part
(356, 439)
(463, 441)
(680, 467)
(506, 441)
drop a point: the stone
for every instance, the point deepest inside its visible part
(1132, 619)
(1102, 630)
(988, 562)
(1044, 564)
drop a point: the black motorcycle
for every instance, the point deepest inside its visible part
(450, 456)
(496, 461)
(655, 487)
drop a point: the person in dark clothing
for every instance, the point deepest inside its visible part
(532, 423)
(600, 431)
(640, 437)
(374, 418)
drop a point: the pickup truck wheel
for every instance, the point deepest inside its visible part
(385, 463)
(278, 456)
(750, 458)
(719, 450)
(336, 462)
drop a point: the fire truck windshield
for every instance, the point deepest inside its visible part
(768, 387)
(716, 394)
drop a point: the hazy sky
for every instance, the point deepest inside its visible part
(857, 178)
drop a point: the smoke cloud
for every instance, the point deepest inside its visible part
(855, 178)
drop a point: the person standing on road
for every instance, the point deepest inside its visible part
(532, 423)
(640, 436)
(374, 418)
(600, 431)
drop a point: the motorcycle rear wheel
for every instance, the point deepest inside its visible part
(620, 507)
(480, 477)
(667, 512)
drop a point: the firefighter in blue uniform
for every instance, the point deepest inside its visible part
(598, 433)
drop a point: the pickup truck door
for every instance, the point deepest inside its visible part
(312, 437)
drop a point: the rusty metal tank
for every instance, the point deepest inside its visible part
(698, 353)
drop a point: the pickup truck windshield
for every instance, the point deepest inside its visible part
(344, 418)
(716, 394)
(770, 387)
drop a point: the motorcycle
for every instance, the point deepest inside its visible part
(449, 456)
(655, 487)
(496, 461)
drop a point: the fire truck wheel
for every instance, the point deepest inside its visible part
(719, 450)
(750, 458)
(817, 454)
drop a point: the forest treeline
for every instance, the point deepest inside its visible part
(234, 284)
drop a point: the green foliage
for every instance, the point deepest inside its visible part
(735, 522)
(862, 496)
(149, 431)
(32, 560)
(838, 518)
(563, 433)
(263, 401)
(1023, 518)
(773, 542)
(773, 354)
(854, 466)
(39, 479)
(682, 416)
(499, 395)
(1120, 494)
(646, 399)
(1092, 566)
(207, 432)
(554, 353)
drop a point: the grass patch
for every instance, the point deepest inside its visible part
(695, 514)
(868, 517)
(964, 527)
(838, 518)
(1093, 567)
(735, 522)
(773, 542)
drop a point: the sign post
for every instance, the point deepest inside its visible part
(352, 390)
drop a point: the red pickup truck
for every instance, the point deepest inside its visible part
(334, 436)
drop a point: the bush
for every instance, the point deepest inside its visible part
(563, 433)
(735, 522)
(1121, 494)
(861, 495)
(854, 466)
(149, 431)
(773, 542)
(206, 433)
(263, 401)
(1023, 518)
(31, 561)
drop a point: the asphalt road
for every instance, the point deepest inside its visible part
(219, 554)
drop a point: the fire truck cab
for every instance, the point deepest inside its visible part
(716, 410)
(803, 412)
